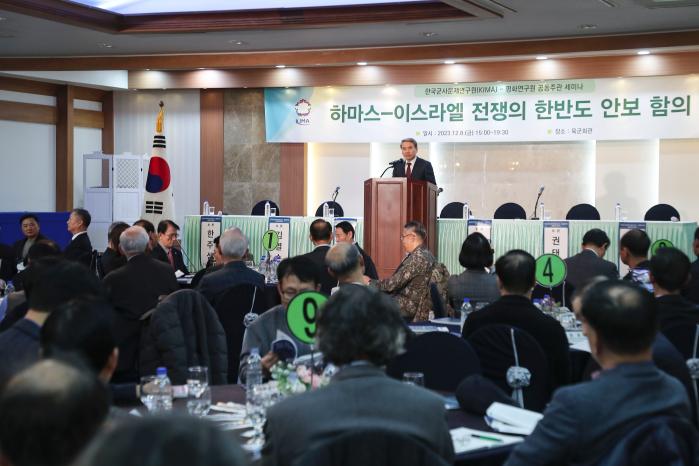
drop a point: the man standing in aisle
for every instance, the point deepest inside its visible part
(80, 248)
(411, 166)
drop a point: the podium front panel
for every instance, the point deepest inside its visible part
(385, 213)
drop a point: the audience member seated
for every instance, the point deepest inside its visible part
(691, 291)
(8, 267)
(344, 233)
(112, 258)
(135, 289)
(173, 440)
(152, 235)
(669, 272)
(214, 263)
(32, 235)
(49, 413)
(515, 279)
(589, 262)
(295, 275)
(358, 330)
(234, 246)
(321, 237)
(410, 283)
(633, 251)
(80, 248)
(50, 283)
(582, 420)
(345, 264)
(476, 282)
(165, 249)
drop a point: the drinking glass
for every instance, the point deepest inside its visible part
(199, 405)
(272, 211)
(256, 407)
(331, 212)
(197, 380)
(414, 378)
(149, 390)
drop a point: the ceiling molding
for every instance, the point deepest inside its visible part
(65, 12)
(338, 57)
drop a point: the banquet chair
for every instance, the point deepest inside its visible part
(371, 447)
(661, 213)
(440, 310)
(339, 211)
(235, 307)
(259, 208)
(510, 211)
(444, 359)
(583, 212)
(494, 346)
(453, 210)
(685, 337)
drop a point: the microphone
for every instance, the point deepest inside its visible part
(536, 203)
(184, 253)
(335, 193)
(391, 165)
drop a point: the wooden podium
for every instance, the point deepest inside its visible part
(389, 203)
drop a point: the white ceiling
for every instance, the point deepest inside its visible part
(27, 36)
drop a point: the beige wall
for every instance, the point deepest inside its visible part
(679, 176)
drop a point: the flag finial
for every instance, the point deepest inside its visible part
(161, 117)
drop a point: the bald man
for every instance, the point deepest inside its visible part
(345, 264)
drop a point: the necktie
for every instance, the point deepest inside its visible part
(170, 258)
(408, 172)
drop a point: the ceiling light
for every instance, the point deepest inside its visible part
(201, 68)
(361, 63)
(449, 62)
(147, 69)
(237, 42)
(429, 34)
(280, 66)
(587, 27)
(104, 45)
(643, 52)
(542, 57)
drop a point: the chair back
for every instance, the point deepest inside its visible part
(232, 306)
(443, 358)
(657, 440)
(494, 346)
(583, 212)
(197, 278)
(661, 213)
(453, 210)
(96, 264)
(259, 208)
(438, 306)
(339, 211)
(685, 337)
(371, 447)
(510, 211)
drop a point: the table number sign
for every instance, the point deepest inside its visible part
(556, 239)
(551, 270)
(301, 315)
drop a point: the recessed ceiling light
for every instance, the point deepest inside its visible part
(361, 63)
(165, 88)
(429, 34)
(542, 57)
(449, 62)
(147, 69)
(587, 27)
(104, 45)
(237, 42)
(280, 66)
(201, 68)
(643, 52)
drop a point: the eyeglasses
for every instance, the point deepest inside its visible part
(405, 236)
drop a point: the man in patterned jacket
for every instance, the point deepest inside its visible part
(410, 284)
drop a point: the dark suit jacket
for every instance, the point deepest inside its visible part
(133, 290)
(358, 397)
(317, 256)
(477, 285)
(587, 264)
(159, 253)
(421, 170)
(8, 264)
(518, 311)
(691, 292)
(19, 348)
(369, 267)
(212, 285)
(581, 419)
(79, 249)
(112, 261)
(676, 309)
(18, 247)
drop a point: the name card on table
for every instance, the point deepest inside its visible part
(282, 225)
(625, 227)
(210, 229)
(556, 239)
(484, 227)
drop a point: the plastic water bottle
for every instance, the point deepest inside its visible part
(9, 288)
(467, 213)
(205, 209)
(617, 212)
(465, 311)
(326, 210)
(253, 375)
(547, 305)
(268, 209)
(541, 211)
(162, 399)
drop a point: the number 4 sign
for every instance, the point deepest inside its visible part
(551, 270)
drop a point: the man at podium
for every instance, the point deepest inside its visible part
(411, 166)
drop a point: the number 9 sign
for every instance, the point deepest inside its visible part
(301, 315)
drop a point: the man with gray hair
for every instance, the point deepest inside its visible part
(234, 247)
(134, 289)
(345, 264)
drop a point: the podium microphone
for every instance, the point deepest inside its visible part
(391, 165)
(335, 193)
(536, 203)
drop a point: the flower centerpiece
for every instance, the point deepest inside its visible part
(298, 378)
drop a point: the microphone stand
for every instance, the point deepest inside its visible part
(384, 172)
(536, 203)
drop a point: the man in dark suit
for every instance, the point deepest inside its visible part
(234, 247)
(8, 266)
(135, 289)
(515, 276)
(321, 236)
(344, 233)
(32, 235)
(619, 319)
(633, 251)
(589, 262)
(669, 271)
(359, 331)
(80, 248)
(691, 290)
(411, 166)
(165, 250)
